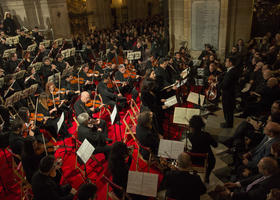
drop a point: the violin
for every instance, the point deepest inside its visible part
(129, 74)
(93, 73)
(93, 103)
(41, 148)
(39, 117)
(76, 80)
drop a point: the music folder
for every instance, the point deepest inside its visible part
(171, 101)
(170, 148)
(194, 98)
(183, 115)
(85, 151)
(142, 183)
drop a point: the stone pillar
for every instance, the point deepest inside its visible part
(101, 13)
(46, 14)
(235, 22)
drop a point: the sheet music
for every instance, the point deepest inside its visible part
(85, 151)
(60, 122)
(183, 82)
(194, 97)
(177, 148)
(142, 183)
(184, 73)
(171, 101)
(191, 112)
(164, 149)
(180, 116)
(134, 182)
(170, 148)
(113, 114)
(150, 183)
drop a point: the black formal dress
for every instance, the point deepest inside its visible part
(16, 143)
(45, 188)
(147, 138)
(182, 185)
(228, 94)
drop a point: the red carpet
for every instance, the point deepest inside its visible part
(72, 175)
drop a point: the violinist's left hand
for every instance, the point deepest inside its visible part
(92, 109)
(174, 88)
(137, 76)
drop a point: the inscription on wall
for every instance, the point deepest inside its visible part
(205, 23)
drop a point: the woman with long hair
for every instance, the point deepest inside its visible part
(119, 163)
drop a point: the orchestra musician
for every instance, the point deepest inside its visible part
(60, 63)
(24, 40)
(49, 116)
(151, 99)
(95, 137)
(180, 183)
(147, 134)
(48, 69)
(11, 65)
(126, 83)
(80, 107)
(44, 187)
(119, 163)
(108, 95)
(16, 141)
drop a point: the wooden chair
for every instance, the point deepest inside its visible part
(135, 109)
(199, 168)
(111, 194)
(139, 156)
(130, 123)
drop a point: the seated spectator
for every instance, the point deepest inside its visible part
(257, 187)
(180, 184)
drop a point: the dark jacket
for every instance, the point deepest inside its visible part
(182, 185)
(44, 188)
(259, 190)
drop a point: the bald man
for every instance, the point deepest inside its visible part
(180, 184)
(257, 187)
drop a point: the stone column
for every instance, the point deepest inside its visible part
(235, 22)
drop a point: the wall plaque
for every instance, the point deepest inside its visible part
(205, 23)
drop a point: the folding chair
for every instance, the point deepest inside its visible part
(130, 126)
(25, 187)
(135, 109)
(139, 156)
(199, 168)
(111, 194)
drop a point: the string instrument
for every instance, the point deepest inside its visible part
(41, 148)
(93, 73)
(93, 103)
(211, 91)
(110, 84)
(129, 74)
(55, 101)
(39, 117)
(155, 63)
(77, 80)
(33, 61)
(117, 59)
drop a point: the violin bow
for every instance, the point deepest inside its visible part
(59, 85)
(117, 85)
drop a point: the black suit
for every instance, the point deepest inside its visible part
(98, 140)
(45, 188)
(228, 94)
(259, 190)
(182, 185)
(107, 94)
(80, 107)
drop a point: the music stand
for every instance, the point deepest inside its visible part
(59, 41)
(72, 51)
(31, 47)
(19, 75)
(84, 153)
